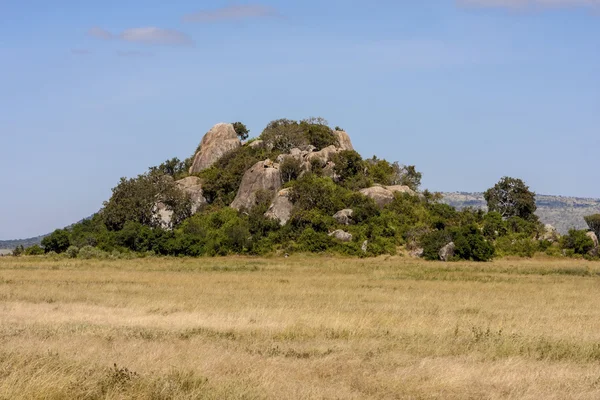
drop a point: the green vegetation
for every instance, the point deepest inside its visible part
(132, 224)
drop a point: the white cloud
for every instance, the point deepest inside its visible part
(100, 33)
(147, 35)
(153, 35)
(232, 13)
(520, 4)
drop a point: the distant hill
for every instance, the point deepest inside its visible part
(563, 213)
(11, 244)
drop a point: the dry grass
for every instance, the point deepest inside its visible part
(299, 328)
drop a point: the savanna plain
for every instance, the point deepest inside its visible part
(304, 327)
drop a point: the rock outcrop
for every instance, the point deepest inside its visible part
(220, 140)
(341, 235)
(323, 155)
(550, 234)
(344, 140)
(281, 208)
(344, 217)
(384, 195)
(192, 185)
(256, 144)
(593, 236)
(264, 175)
(447, 252)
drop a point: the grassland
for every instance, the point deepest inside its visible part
(299, 328)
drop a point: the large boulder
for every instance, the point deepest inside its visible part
(341, 235)
(264, 175)
(344, 217)
(344, 140)
(447, 252)
(593, 236)
(220, 140)
(281, 208)
(384, 195)
(401, 189)
(550, 234)
(324, 155)
(192, 185)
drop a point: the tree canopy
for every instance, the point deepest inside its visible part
(511, 197)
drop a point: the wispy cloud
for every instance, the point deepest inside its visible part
(80, 52)
(100, 33)
(528, 4)
(232, 13)
(147, 35)
(133, 53)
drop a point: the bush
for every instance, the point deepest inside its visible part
(34, 250)
(58, 241)
(241, 130)
(222, 181)
(314, 242)
(577, 241)
(520, 245)
(433, 242)
(72, 252)
(290, 168)
(471, 245)
(312, 192)
(89, 252)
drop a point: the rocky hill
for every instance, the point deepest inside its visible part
(563, 213)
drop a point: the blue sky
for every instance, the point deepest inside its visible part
(467, 90)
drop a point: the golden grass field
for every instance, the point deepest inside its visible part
(305, 327)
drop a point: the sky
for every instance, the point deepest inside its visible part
(466, 90)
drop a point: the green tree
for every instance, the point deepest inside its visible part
(290, 168)
(593, 221)
(284, 135)
(136, 200)
(511, 197)
(408, 176)
(173, 167)
(18, 251)
(348, 164)
(577, 241)
(241, 130)
(34, 250)
(58, 241)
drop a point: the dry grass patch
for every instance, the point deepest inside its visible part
(305, 327)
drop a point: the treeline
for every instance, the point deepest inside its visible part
(129, 225)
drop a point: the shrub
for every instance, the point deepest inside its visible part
(494, 226)
(433, 242)
(314, 242)
(72, 252)
(577, 241)
(89, 252)
(222, 181)
(520, 245)
(290, 168)
(284, 135)
(320, 136)
(312, 192)
(471, 245)
(34, 250)
(241, 130)
(58, 241)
